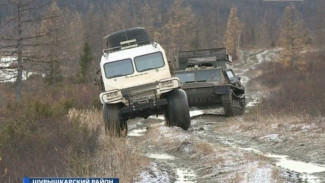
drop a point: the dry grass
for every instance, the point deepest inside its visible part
(115, 157)
(37, 144)
(92, 117)
(298, 91)
(258, 124)
(36, 136)
(204, 148)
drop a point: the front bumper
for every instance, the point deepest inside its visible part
(134, 108)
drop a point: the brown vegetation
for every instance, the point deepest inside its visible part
(299, 92)
(37, 139)
(114, 157)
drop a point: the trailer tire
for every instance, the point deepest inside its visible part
(114, 124)
(177, 111)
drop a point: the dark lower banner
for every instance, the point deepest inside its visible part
(70, 180)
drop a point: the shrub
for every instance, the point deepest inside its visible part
(37, 138)
(294, 91)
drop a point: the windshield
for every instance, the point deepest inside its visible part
(148, 62)
(209, 75)
(118, 68)
(186, 77)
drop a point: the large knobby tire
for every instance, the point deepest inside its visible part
(227, 103)
(177, 111)
(233, 106)
(114, 124)
(242, 103)
(138, 33)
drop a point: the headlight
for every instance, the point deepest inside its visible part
(172, 83)
(112, 95)
(166, 84)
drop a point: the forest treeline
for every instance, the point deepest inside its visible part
(175, 24)
(49, 35)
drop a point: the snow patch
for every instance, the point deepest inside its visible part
(10, 75)
(185, 176)
(137, 132)
(196, 113)
(244, 80)
(271, 137)
(161, 156)
(257, 174)
(159, 117)
(153, 175)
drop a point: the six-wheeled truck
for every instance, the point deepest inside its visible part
(208, 81)
(137, 82)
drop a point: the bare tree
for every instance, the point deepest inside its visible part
(179, 31)
(21, 35)
(52, 54)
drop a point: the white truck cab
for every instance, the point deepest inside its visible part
(138, 66)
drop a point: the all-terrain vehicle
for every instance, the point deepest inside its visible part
(137, 82)
(208, 81)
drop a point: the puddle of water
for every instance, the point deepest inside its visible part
(304, 169)
(160, 156)
(297, 166)
(185, 175)
(137, 132)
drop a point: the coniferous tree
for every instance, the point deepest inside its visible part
(294, 37)
(233, 32)
(85, 63)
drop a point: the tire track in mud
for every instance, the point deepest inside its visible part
(169, 164)
(178, 161)
(196, 155)
(181, 171)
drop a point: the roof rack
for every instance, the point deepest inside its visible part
(213, 56)
(126, 39)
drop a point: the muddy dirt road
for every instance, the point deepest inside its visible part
(219, 149)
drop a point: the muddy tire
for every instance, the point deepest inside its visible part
(138, 33)
(233, 106)
(242, 104)
(227, 103)
(114, 125)
(177, 111)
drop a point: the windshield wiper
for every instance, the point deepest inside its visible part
(150, 68)
(117, 75)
